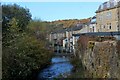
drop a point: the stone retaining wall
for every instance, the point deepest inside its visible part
(101, 59)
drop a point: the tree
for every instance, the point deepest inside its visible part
(23, 54)
(15, 11)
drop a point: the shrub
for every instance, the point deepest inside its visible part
(22, 54)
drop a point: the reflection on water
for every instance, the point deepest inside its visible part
(60, 65)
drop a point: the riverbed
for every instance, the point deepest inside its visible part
(59, 66)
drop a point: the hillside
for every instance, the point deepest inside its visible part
(60, 24)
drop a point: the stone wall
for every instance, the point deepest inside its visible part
(100, 58)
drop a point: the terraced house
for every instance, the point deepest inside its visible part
(108, 16)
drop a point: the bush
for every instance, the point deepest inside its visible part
(78, 70)
(22, 54)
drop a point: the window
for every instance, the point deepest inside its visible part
(93, 20)
(109, 15)
(117, 12)
(118, 27)
(110, 27)
(98, 30)
(100, 17)
(104, 26)
(93, 28)
(107, 25)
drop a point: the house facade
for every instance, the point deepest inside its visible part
(108, 17)
(118, 16)
(92, 26)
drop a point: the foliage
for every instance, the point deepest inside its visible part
(38, 25)
(23, 53)
(69, 22)
(15, 11)
(91, 45)
(78, 70)
(118, 48)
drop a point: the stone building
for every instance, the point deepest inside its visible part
(118, 16)
(108, 17)
(92, 26)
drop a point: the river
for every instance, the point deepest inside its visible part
(59, 66)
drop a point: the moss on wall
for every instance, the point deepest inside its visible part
(100, 56)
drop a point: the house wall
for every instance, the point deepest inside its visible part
(64, 42)
(118, 18)
(74, 41)
(50, 37)
(92, 27)
(107, 18)
(84, 29)
(67, 34)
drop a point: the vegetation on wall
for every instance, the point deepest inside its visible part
(118, 48)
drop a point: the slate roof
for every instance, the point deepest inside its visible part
(59, 31)
(108, 5)
(94, 17)
(78, 27)
(93, 20)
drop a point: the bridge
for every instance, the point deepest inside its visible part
(61, 62)
(113, 34)
(99, 34)
(64, 54)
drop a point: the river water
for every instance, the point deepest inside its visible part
(59, 66)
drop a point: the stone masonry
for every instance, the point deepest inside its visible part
(102, 59)
(100, 56)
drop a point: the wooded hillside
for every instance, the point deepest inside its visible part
(60, 24)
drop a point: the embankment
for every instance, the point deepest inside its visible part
(100, 56)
